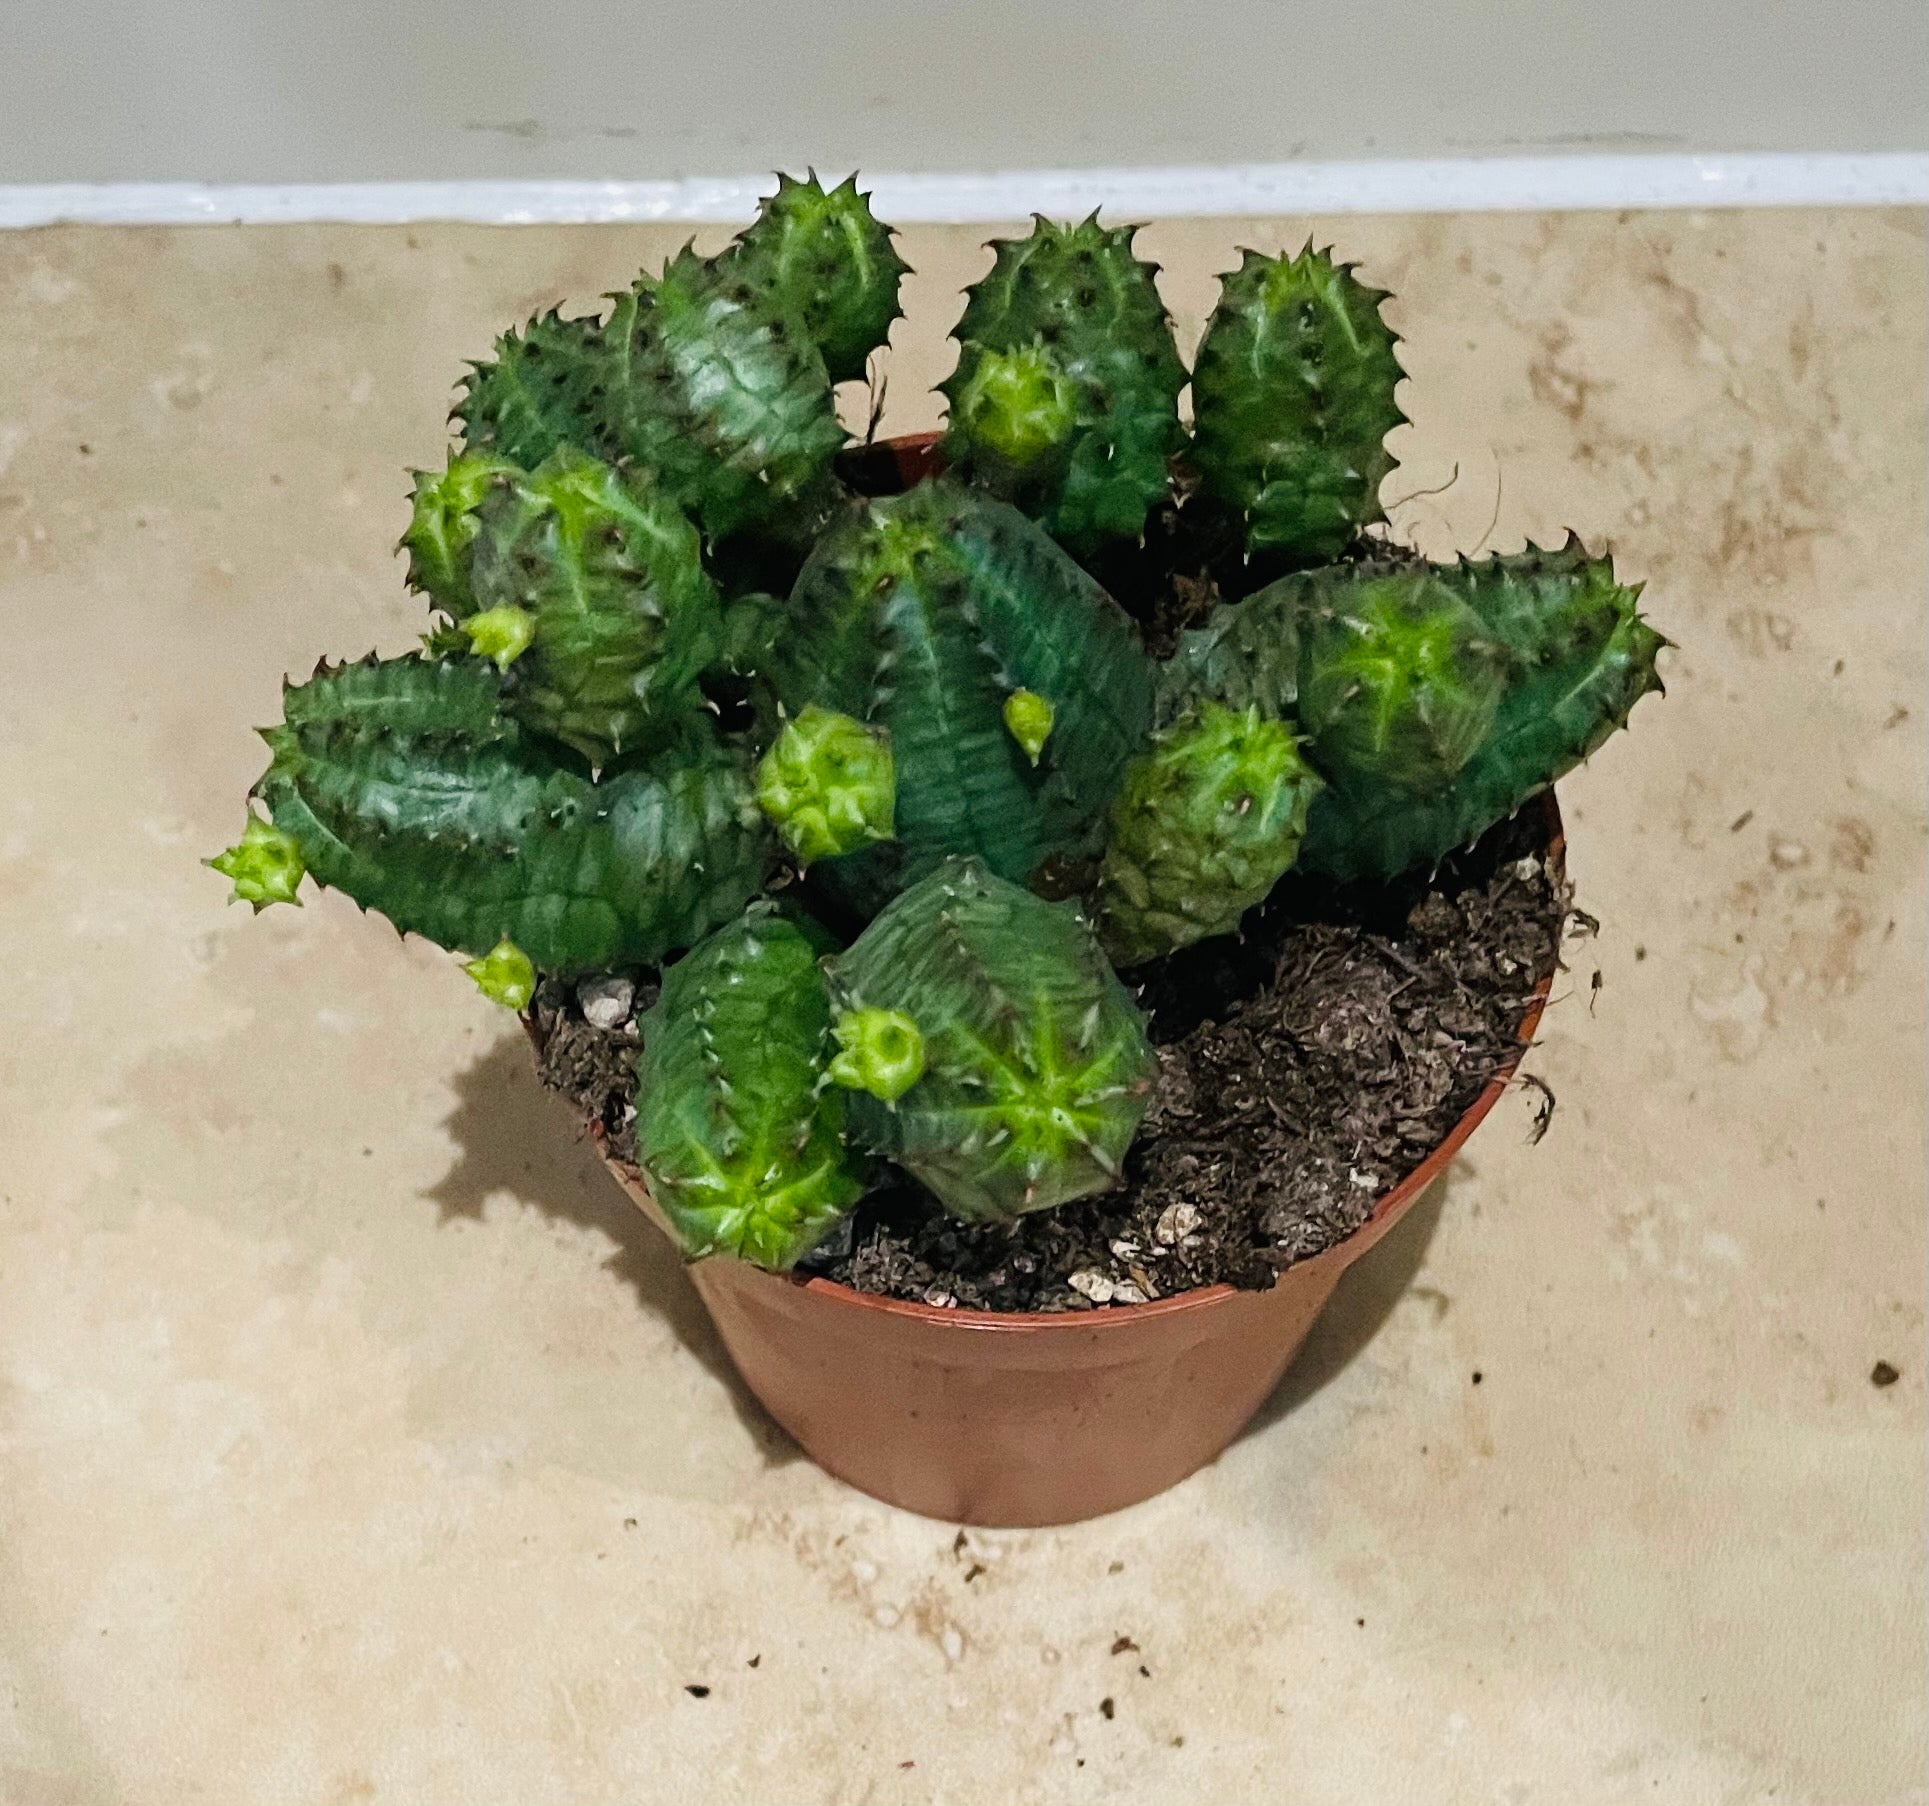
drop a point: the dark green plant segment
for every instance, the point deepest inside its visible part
(1582, 657)
(1292, 400)
(691, 377)
(406, 784)
(1207, 821)
(1036, 1062)
(1436, 698)
(727, 402)
(1068, 309)
(623, 618)
(820, 257)
(925, 614)
(736, 1128)
(536, 391)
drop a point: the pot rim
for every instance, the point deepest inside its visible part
(1117, 1317)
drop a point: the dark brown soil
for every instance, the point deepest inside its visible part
(1306, 1067)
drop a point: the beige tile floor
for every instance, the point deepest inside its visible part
(356, 1445)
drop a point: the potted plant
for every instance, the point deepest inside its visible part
(1022, 912)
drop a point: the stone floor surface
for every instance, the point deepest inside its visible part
(358, 1444)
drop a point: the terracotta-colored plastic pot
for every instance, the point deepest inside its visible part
(984, 1417)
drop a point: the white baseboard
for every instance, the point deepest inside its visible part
(1447, 185)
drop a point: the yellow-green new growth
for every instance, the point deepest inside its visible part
(443, 524)
(504, 975)
(1017, 410)
(879, 1051)
(1029, 716)
(265, 865)
(828, 784)
(501, 635)
(1068, 321)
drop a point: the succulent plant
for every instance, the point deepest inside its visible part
(1066, 394)
(737, 1128)
(1579, 658)
(1292, 400)
(1035, 1067)
(1436, 698)
(687, 701)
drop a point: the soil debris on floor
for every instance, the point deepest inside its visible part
(1305, 1067)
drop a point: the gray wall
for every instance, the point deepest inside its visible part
(351, 90)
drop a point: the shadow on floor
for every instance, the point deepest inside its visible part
(1361, 1302)
(513, 1136)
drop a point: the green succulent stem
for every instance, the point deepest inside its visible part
(737, 1130)
(1292, 399)
(922, 614)
(445, 518)
(1068, 319)
(1015, 417)
(406, 783)
(1208, 820)
(696, 376)
(1037, 1067)
(1436, 699)
(819, 256)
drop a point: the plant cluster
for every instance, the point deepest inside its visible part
(890, 786)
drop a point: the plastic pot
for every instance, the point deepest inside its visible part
(992, 1418)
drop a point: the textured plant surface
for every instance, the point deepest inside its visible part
(1207, 820)
(1036, 1065)
(695, 377)
(929, 614)
(819, 256)
(1292, 395)
(586, 580)
(677, 669)
(829, 784)
(405, 783)
(1066, 394)
(1436, 698)
(736, 1127)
